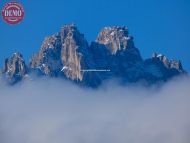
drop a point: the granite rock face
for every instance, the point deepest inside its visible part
(15, 68)
(62, 53)
(47, 60)
(113, 54)
(115, 38)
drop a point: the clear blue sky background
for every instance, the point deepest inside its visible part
(157, 25)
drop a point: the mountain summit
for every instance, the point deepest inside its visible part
(113, 54)
(15, 68)
(62, 53)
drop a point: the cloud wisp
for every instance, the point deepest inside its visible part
(53, 111)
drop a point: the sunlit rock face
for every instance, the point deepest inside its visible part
(115, 38)
(73, 52)
(62, 53)
(47, 60)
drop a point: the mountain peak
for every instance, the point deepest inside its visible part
(116, 38)
(64, 49)
(15, 67)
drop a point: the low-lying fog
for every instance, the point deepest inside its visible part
(54, 111)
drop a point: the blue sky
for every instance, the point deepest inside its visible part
(157, 25)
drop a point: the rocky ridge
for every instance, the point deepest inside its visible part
(67, 54)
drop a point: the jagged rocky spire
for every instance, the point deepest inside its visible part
(115, 38)
(14, 68)
(63, 52)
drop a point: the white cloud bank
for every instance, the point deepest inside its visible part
(52, 111)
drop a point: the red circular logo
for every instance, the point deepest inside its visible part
(13, 13)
